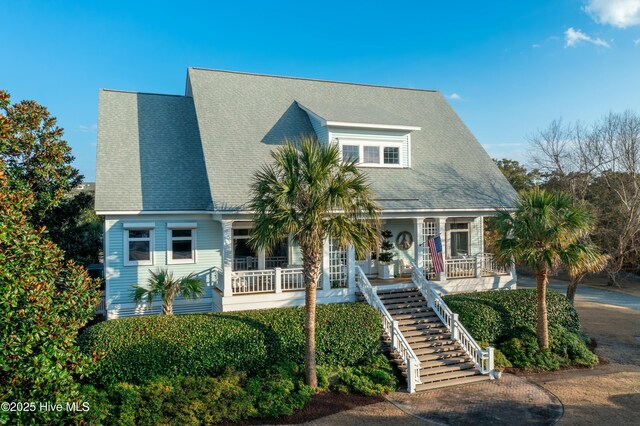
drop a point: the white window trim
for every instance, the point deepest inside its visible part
(450, 240)
(193, 238)
(381, 144)
(142, 227)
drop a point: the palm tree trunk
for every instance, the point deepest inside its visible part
(167, 301)
(312, 262)
(571, 290)
(542, 325)
(573, 287)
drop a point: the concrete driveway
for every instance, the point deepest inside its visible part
(588, 294)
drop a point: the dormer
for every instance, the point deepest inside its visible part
(371, 144)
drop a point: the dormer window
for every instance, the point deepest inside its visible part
(368, 153)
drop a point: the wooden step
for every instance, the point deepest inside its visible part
(427, 365)
(406, 304)
(436, 349)
(397, 316)
(424, 325)
(449, 375)
(440, 356)
(408, 309)
(395, 291)
(453, 382)
(427, 373)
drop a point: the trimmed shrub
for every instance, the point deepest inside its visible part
(181, 400)
(374, 377)
(566, 348)
(493, 315)
(199, 345)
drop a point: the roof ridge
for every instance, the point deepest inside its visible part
(143, 93)
(313, 79)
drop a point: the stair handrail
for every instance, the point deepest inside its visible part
(391, 327)
(482, 358)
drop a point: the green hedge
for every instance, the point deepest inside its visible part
(492, 316)
(274, 392)
(134, 349)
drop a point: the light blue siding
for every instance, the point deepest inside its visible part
(321, 132)
(121, 278)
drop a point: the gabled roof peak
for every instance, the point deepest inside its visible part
(312, 79)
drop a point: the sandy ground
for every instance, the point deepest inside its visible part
(610, 393)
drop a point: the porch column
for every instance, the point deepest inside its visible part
(351, 267)
(419, 242)
(326, 284)
(262, 260)
(227, 256)
(482, 248)
(441, 229)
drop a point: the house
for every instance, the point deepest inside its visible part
(174, 172)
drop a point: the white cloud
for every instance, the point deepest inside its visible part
(619, 13)
(454, 97)
(636, 42)
(535, 46)
(88, 129)
(573, 37)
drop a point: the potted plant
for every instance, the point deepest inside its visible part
(385, 257)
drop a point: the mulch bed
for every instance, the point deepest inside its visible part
(321, 405)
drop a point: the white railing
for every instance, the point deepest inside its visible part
(245, 263)
(268, 281)
(398, 341)
(292, 279)
(461, 268)
(489, 266)
(253, 281)
(483, 359)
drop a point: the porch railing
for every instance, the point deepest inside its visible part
(461, 268)
(482, 358)
(292, 279)
(489, 266)
(482, 265)
(398, 341)
(268, 281)
(253, 281)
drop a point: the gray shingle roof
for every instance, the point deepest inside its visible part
(149, 154)
(241, 118)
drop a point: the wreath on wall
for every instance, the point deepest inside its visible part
(404, 240)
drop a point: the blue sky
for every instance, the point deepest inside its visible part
(508, 67)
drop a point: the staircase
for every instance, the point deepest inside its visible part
(443, 362)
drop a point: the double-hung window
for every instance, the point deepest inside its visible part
(138, 243)
(181, 242)
(460, 241)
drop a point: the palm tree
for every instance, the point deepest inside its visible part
(162, 283)
(582, 259)
(545, 232)
(310, 194)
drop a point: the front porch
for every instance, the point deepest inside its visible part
(253, 280)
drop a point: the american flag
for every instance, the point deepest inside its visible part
(435, 250)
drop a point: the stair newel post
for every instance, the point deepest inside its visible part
(410, 377)
(490, 360)
(454, 327)
(394, 327)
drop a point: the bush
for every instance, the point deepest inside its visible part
(280, 391)
(44, 301)
(566, 348)
(179, 400)
(493, 315)
(374, 377)
(199, 345)
(500, 361)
